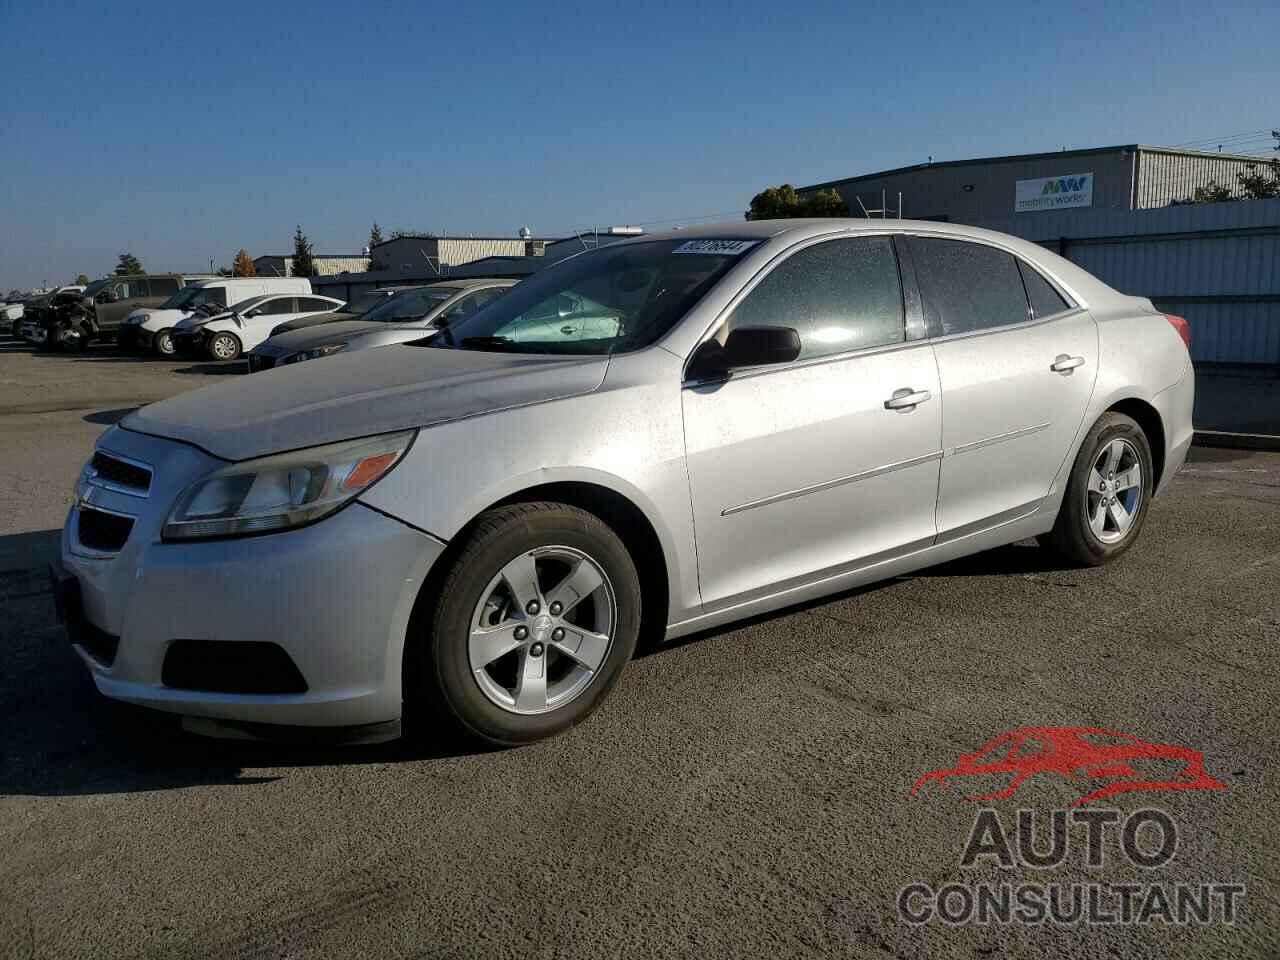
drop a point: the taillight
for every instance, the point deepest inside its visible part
(1180, 324)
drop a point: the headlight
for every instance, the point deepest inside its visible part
(283, 491)
(315, 353)
(136, 318)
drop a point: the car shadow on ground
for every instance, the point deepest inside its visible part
(108, 418)
(216, 369)
(65, 739)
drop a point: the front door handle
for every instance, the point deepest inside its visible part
(1063, 363)
(906, 399)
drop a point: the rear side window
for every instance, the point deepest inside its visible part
(839, 295)
(314, 304)
(1045, 300)
(163, 286)
(968, 286)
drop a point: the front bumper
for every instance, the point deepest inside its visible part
(335, 596)
(133, 336)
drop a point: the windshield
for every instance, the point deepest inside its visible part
(188, 298)
(366, 301)
(249, 304)
(609, 300)
(97, 285)
(410, 305)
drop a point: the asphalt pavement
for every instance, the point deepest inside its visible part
(744, 793)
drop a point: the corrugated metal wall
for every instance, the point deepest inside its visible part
(1163, 178)
(1217, 264)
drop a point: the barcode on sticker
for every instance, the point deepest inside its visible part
(724, 248)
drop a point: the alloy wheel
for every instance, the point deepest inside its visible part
(542, 630)
(1113, 495)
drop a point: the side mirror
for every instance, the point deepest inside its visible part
(250, 314)
(745, 347)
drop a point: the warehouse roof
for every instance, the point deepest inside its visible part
(1090, 151)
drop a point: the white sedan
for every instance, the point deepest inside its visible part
(227, 335)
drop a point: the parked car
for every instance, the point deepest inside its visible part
(485, 521)
(101, 310)
(353, 309)
(151, 328)
(226, 334)
(13, 311)
(416, 313)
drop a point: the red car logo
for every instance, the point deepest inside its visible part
(1081, 753)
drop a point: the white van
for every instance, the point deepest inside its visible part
(151, 328)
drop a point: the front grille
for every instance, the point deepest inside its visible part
(120, 472)
(98, 530)
(231, 666)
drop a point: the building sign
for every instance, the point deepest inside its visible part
(1053, 193)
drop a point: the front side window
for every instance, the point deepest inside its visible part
(613, 299)
(277, 306)
(968, 287)
(838, 295)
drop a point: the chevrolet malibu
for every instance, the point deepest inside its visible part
(483, 524)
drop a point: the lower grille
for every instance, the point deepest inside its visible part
(231, 666)
(98, 530)
(100, 644)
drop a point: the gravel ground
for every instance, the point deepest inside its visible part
(742, 794)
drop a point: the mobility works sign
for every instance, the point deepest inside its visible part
(1053, 193)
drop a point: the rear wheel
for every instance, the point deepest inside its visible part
(1107, 494)
(531, 627)
(162, 343)
(224, 346)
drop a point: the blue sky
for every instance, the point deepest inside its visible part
(182, 132)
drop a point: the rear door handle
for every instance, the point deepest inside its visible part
(1063, 363)
(906, 399)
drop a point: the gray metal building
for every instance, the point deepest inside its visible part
(418, 252)
(1129, 177)
(270, 265)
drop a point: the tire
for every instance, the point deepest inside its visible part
(71, 340)
(162, 343)
(1077, 534)
(224, 346)
(440, 666)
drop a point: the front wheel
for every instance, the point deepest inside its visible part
(224, 346)
(1107, 493)
(531, 627)
(162, 343)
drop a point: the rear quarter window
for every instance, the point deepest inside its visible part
(1045, 300)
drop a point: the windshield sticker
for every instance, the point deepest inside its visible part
(730, 248)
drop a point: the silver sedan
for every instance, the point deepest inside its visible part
(414, 313)
(640, 442)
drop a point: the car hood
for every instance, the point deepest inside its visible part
(359, 394)
(283, 344)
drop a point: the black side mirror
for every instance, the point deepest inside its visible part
(745, 347)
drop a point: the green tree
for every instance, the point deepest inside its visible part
(825, 203)
(243, 265)
(1260, 181)
(82, 280)
(375, 235)
(780, 203)
(304, 264)
(128, 265)
(1212, 192)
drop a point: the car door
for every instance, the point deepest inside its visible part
(803, 470)
(118, 301)
(1015, 379)
(259, 322)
